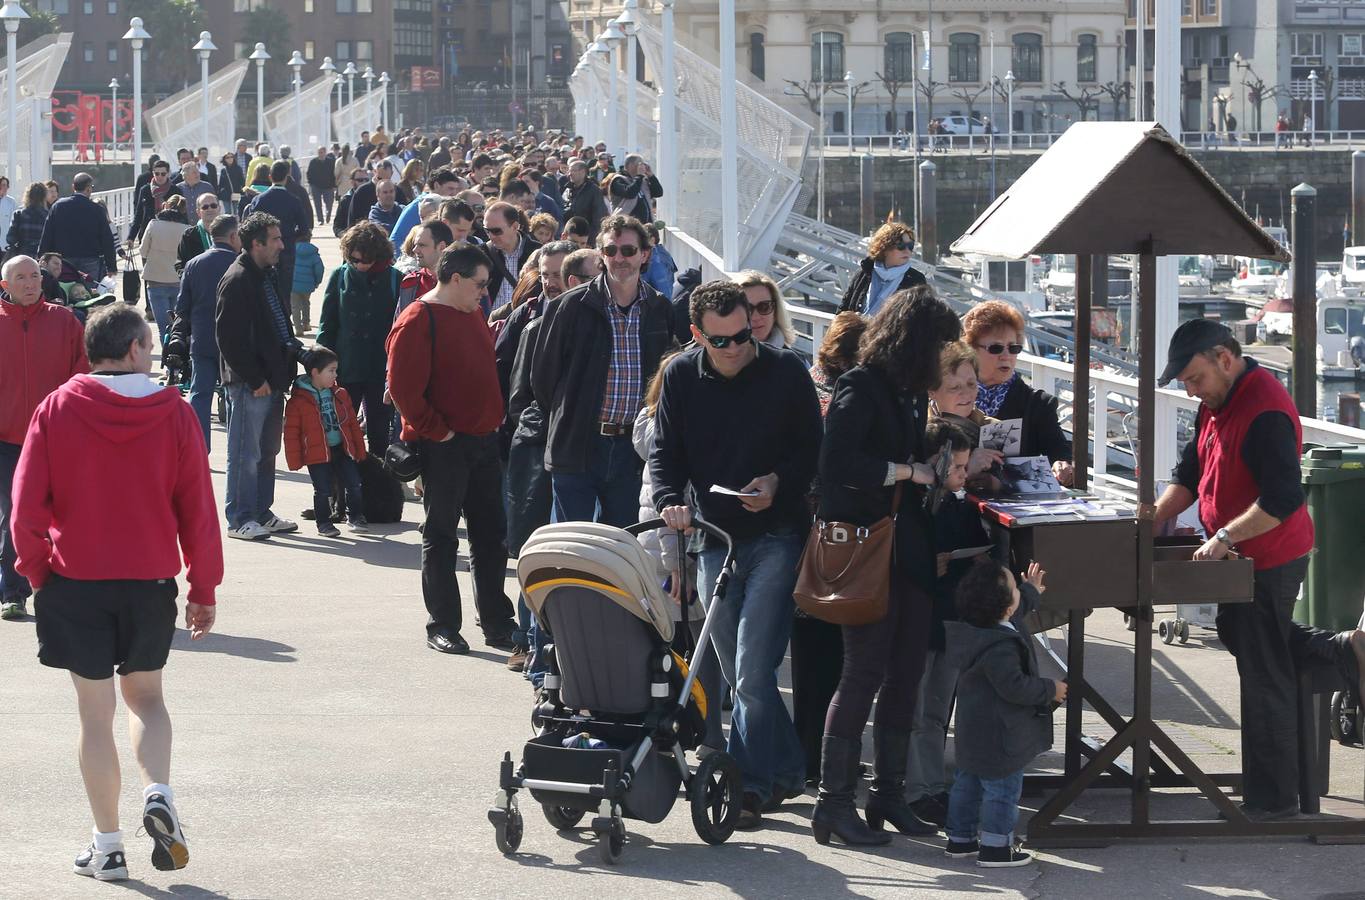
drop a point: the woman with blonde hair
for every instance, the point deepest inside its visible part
(159, 248)
(767, 312)
(411, 182)
(886, 270)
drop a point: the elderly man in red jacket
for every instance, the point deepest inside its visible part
(116, 444)
(1243, 468)
(40, 348)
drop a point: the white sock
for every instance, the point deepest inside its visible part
(107, 841)
(162, 789)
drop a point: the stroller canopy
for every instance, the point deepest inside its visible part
(602, 558)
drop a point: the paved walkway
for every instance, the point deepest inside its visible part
(323, 752)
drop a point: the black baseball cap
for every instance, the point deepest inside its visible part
(1194, 336)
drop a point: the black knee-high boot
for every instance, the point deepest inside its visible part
(835, 811)
(886, 801)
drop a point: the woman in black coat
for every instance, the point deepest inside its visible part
(995, 330)
(874, 440)
(231, 180)
(885, 271)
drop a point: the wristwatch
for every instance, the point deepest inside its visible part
(1222, 536)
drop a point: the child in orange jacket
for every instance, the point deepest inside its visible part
(321, 432)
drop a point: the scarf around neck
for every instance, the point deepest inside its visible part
(989, 398)
(884, 283)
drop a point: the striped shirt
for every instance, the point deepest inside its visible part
(621, 399)
(513, 263)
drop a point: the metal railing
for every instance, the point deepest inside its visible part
(120, 203)
(1114, 403)
(980, 142)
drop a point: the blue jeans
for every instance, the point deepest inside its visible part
(990, 805)
(608, 492)
(750, 631)
(13, 586)
(255, 427)
(162, 298)
(203, 387)
(325, 475)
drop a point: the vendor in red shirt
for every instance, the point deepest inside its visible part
(1243, 468)
(444, 381)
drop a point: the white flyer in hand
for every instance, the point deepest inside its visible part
(730, 492)
(1003, 436)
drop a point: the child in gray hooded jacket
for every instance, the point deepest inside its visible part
(1004, 711)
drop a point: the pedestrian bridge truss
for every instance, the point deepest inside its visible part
(178, 121)
(303, 125)
(39, 64)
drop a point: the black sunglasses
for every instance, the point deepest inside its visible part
(902, 246)
(763, 307)
(359, 260)
(208, 206)
(999, 349)
(627, 251)
(496, 232)
(721, 341)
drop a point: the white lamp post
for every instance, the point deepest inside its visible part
(668, 119)
(820, 173)
(113, 118)
(848, 125)
(204, 48)
(340, 83)
(12, 14)
(629, 22)
(137, 35)
(600, 46)
(369, 88)
(350, 72)
(297, 62)
(1009, 104)
(327, 69)
(384, 99)
(259, 57)
(611, 37)
(1312, 104)
(729, 142)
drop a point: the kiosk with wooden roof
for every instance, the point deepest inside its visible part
(1116, 188)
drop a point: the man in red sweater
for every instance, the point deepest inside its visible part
(40, 348)
(115, 440)
(1243, 468)
(444, 381)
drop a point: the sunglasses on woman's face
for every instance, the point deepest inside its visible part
(763, 307)
(999, 349)
(903, 246)
(721, 341)
(627, 251)
(359, 260)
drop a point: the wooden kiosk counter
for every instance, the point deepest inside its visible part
(1126, 188)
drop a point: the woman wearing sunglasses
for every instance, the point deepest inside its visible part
(995, 330)
(874, 440)
(885, 271)
(767, 315)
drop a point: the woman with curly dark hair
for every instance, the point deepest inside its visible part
(885, 271)
(357, 311)
(874, 441)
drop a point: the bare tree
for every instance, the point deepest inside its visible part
(1118, 92)
(810, 91)
(1258, 92)
(893, 84)
(861, 87)
(970, 97)
(928, 89)
(1085, 98)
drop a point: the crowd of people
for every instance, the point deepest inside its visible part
(506, 313)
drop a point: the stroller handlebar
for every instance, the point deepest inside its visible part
(697, 522)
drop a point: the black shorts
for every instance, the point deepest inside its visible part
(89, 627)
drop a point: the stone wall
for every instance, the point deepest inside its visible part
(1258, 179)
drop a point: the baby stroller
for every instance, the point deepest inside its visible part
(620, 707)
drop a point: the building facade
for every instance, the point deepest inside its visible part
(1052, 61)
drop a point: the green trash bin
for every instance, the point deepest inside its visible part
(1334, 486)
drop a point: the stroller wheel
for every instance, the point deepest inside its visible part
(1344, 722)
(562, 818)
(715, 793)
(508, 832)
(612, 841)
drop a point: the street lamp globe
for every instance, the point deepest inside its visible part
(12, 14)
(205, 46)
(259, 55)
(612, 33)
(297, 62)
(327, 67)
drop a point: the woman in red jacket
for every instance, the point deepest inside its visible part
(321, 432)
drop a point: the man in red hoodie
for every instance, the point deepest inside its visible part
(40, 348)
(115, 440)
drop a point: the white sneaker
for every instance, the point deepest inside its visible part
(251, 531)
(108, 865)
(276, 525)
(169, 849)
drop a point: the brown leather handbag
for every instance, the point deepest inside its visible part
(845, 572)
